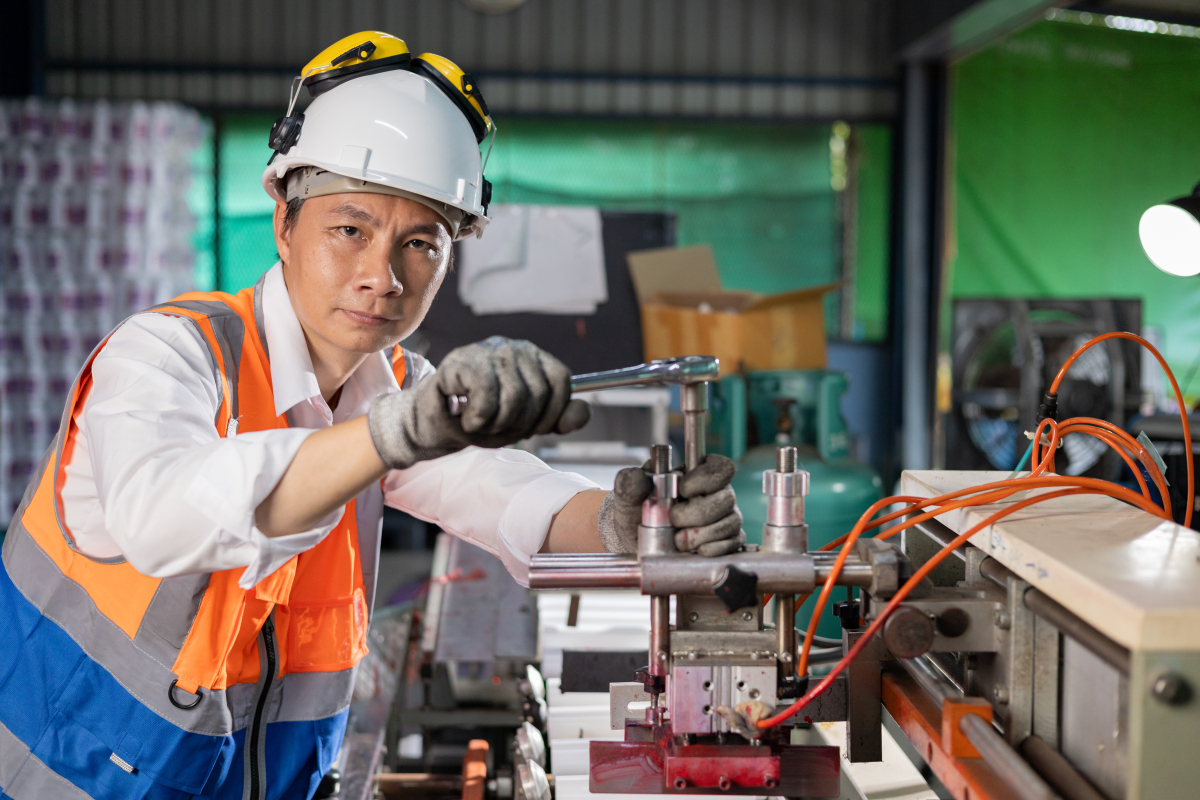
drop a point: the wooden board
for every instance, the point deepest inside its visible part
(1128, 573)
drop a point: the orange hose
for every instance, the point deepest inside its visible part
(903, 592)
(946, 503)
(1187, 429)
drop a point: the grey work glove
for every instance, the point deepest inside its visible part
(707, 515)
(514, 390)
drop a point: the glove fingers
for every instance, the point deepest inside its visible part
(558, 384)
(689, 539)
(632, 486)
(538, 393)
(703, 510)
(715, 472)
(513, 392)
(459, 374)
(574, 416)
(723, 547)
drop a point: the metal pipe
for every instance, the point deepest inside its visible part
(992, 747)
(942, 536)
(693, 401)
(623, 576)
(1040, 603)
(418, 784)
(1013, 769)
(785, 633)
(688, 574)
(1100, 645)
(1057, 771)
(660, 634)
(930, 679)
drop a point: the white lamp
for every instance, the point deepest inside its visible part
(1170, 234)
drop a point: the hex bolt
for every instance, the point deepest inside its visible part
(769, 782)
(1171, 688)
(681, 782)
(1003, 620)
(748, 615)
(724, 784)
(693, 617)
(1000, 695)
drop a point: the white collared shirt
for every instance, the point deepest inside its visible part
(149, 479)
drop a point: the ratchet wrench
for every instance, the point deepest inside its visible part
(664, 372)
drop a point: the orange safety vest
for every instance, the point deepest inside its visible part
(173, 683)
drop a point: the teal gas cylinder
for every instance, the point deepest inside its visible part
(753, 414)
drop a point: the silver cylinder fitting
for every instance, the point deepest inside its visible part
(693, 402)
(785, 488)
(656, 536)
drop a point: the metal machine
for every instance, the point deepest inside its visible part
(1056, 655)
(1020, 668)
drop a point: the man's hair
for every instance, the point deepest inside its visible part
(293, 212)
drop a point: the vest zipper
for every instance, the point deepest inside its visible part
(256, 777)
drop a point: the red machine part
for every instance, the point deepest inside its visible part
(651, 761)
(722, 767)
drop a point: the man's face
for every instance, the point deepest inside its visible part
(362, 269)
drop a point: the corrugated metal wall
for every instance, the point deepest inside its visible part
(791, 59)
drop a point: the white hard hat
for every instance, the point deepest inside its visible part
(392, 130)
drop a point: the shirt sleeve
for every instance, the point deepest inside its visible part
(176, 497)
(500, 500)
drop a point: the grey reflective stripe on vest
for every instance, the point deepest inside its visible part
(23, 776)
(412, 365)
(143, 665)
(68, 605)
(230, 332)
(60, 439)
(259, 319)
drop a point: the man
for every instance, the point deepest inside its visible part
(187, 584)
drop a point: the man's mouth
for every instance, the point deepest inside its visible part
(363, 318)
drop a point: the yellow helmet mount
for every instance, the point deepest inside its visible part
(353, 56)
(459, 86)
(356, 55)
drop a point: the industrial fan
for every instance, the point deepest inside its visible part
(1006, 352)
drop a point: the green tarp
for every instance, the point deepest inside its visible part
(759, 193)
(1062, 136)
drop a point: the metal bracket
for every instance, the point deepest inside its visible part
(620, 695)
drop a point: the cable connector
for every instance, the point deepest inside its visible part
(1049, 407)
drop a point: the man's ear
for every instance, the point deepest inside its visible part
(283, 234)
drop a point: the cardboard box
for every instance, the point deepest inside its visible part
(686, 312)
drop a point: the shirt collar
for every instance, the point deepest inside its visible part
(293, 379)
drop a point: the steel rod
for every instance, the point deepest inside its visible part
(586, 577)
(785, 632)
(1013, 769)
(930, 679)
(660, 634)
(1040, 603)
(1057, 771)
(992, 747)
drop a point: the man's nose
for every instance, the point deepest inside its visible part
(376, 273)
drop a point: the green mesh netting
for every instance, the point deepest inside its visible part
(1063, 135)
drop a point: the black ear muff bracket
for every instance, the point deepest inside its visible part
(284, 134)
(471, 89)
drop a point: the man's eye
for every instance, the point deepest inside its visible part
(349, 230)
(419, 244)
